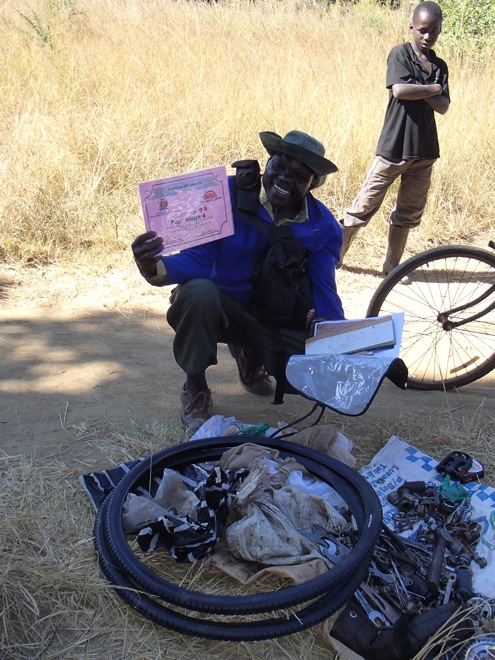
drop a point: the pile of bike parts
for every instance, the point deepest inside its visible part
(223, 616)
(421, 575)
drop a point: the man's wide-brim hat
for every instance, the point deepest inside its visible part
(302, 147)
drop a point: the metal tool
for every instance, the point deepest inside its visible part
(406, 603)
(451, 580)
(376, 572)
(443, 537)
(330, 546)
(391, 614)
(373, 615)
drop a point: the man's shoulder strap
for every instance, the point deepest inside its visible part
(246, 195)
(247, 185)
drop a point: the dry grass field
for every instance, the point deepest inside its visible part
(98, 95)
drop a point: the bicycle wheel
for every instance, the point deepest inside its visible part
(443, 344)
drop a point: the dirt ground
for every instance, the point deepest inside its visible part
(76, 346)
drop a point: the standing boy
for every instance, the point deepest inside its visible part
(417, 81)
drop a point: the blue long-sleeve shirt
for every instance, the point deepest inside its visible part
(229, 261)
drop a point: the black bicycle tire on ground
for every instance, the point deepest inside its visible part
(178, 596)
(144, 578)
(391, 284)
(244, 631)
(123, 557)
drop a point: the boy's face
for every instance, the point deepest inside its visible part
(425, 31)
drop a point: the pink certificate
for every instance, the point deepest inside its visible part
(189, 209)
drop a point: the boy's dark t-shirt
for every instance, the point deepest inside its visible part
(409, 130)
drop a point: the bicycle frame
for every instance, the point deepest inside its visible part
(447, 325)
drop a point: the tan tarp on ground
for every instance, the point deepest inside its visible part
(264, 537)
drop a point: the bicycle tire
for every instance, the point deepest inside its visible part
(244, 631)
(361, 495)
(439, 279)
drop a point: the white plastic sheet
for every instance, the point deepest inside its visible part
(345, 383)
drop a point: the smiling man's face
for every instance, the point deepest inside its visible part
(286, 181)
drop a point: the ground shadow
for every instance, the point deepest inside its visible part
(363, 271)
(58, 372)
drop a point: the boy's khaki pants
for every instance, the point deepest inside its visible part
(415, 178)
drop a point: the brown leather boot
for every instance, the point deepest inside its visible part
(196, 408)
(253, 375)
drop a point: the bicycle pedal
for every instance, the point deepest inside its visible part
(456, 464)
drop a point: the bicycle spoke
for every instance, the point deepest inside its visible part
(448, 286)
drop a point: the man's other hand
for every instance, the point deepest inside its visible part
(146, 249)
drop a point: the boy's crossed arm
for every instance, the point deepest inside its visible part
(432, 94)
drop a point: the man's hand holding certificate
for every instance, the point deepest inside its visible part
(189, 209)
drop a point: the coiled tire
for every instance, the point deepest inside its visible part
(140, 586)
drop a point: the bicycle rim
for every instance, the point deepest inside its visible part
(442, 279)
